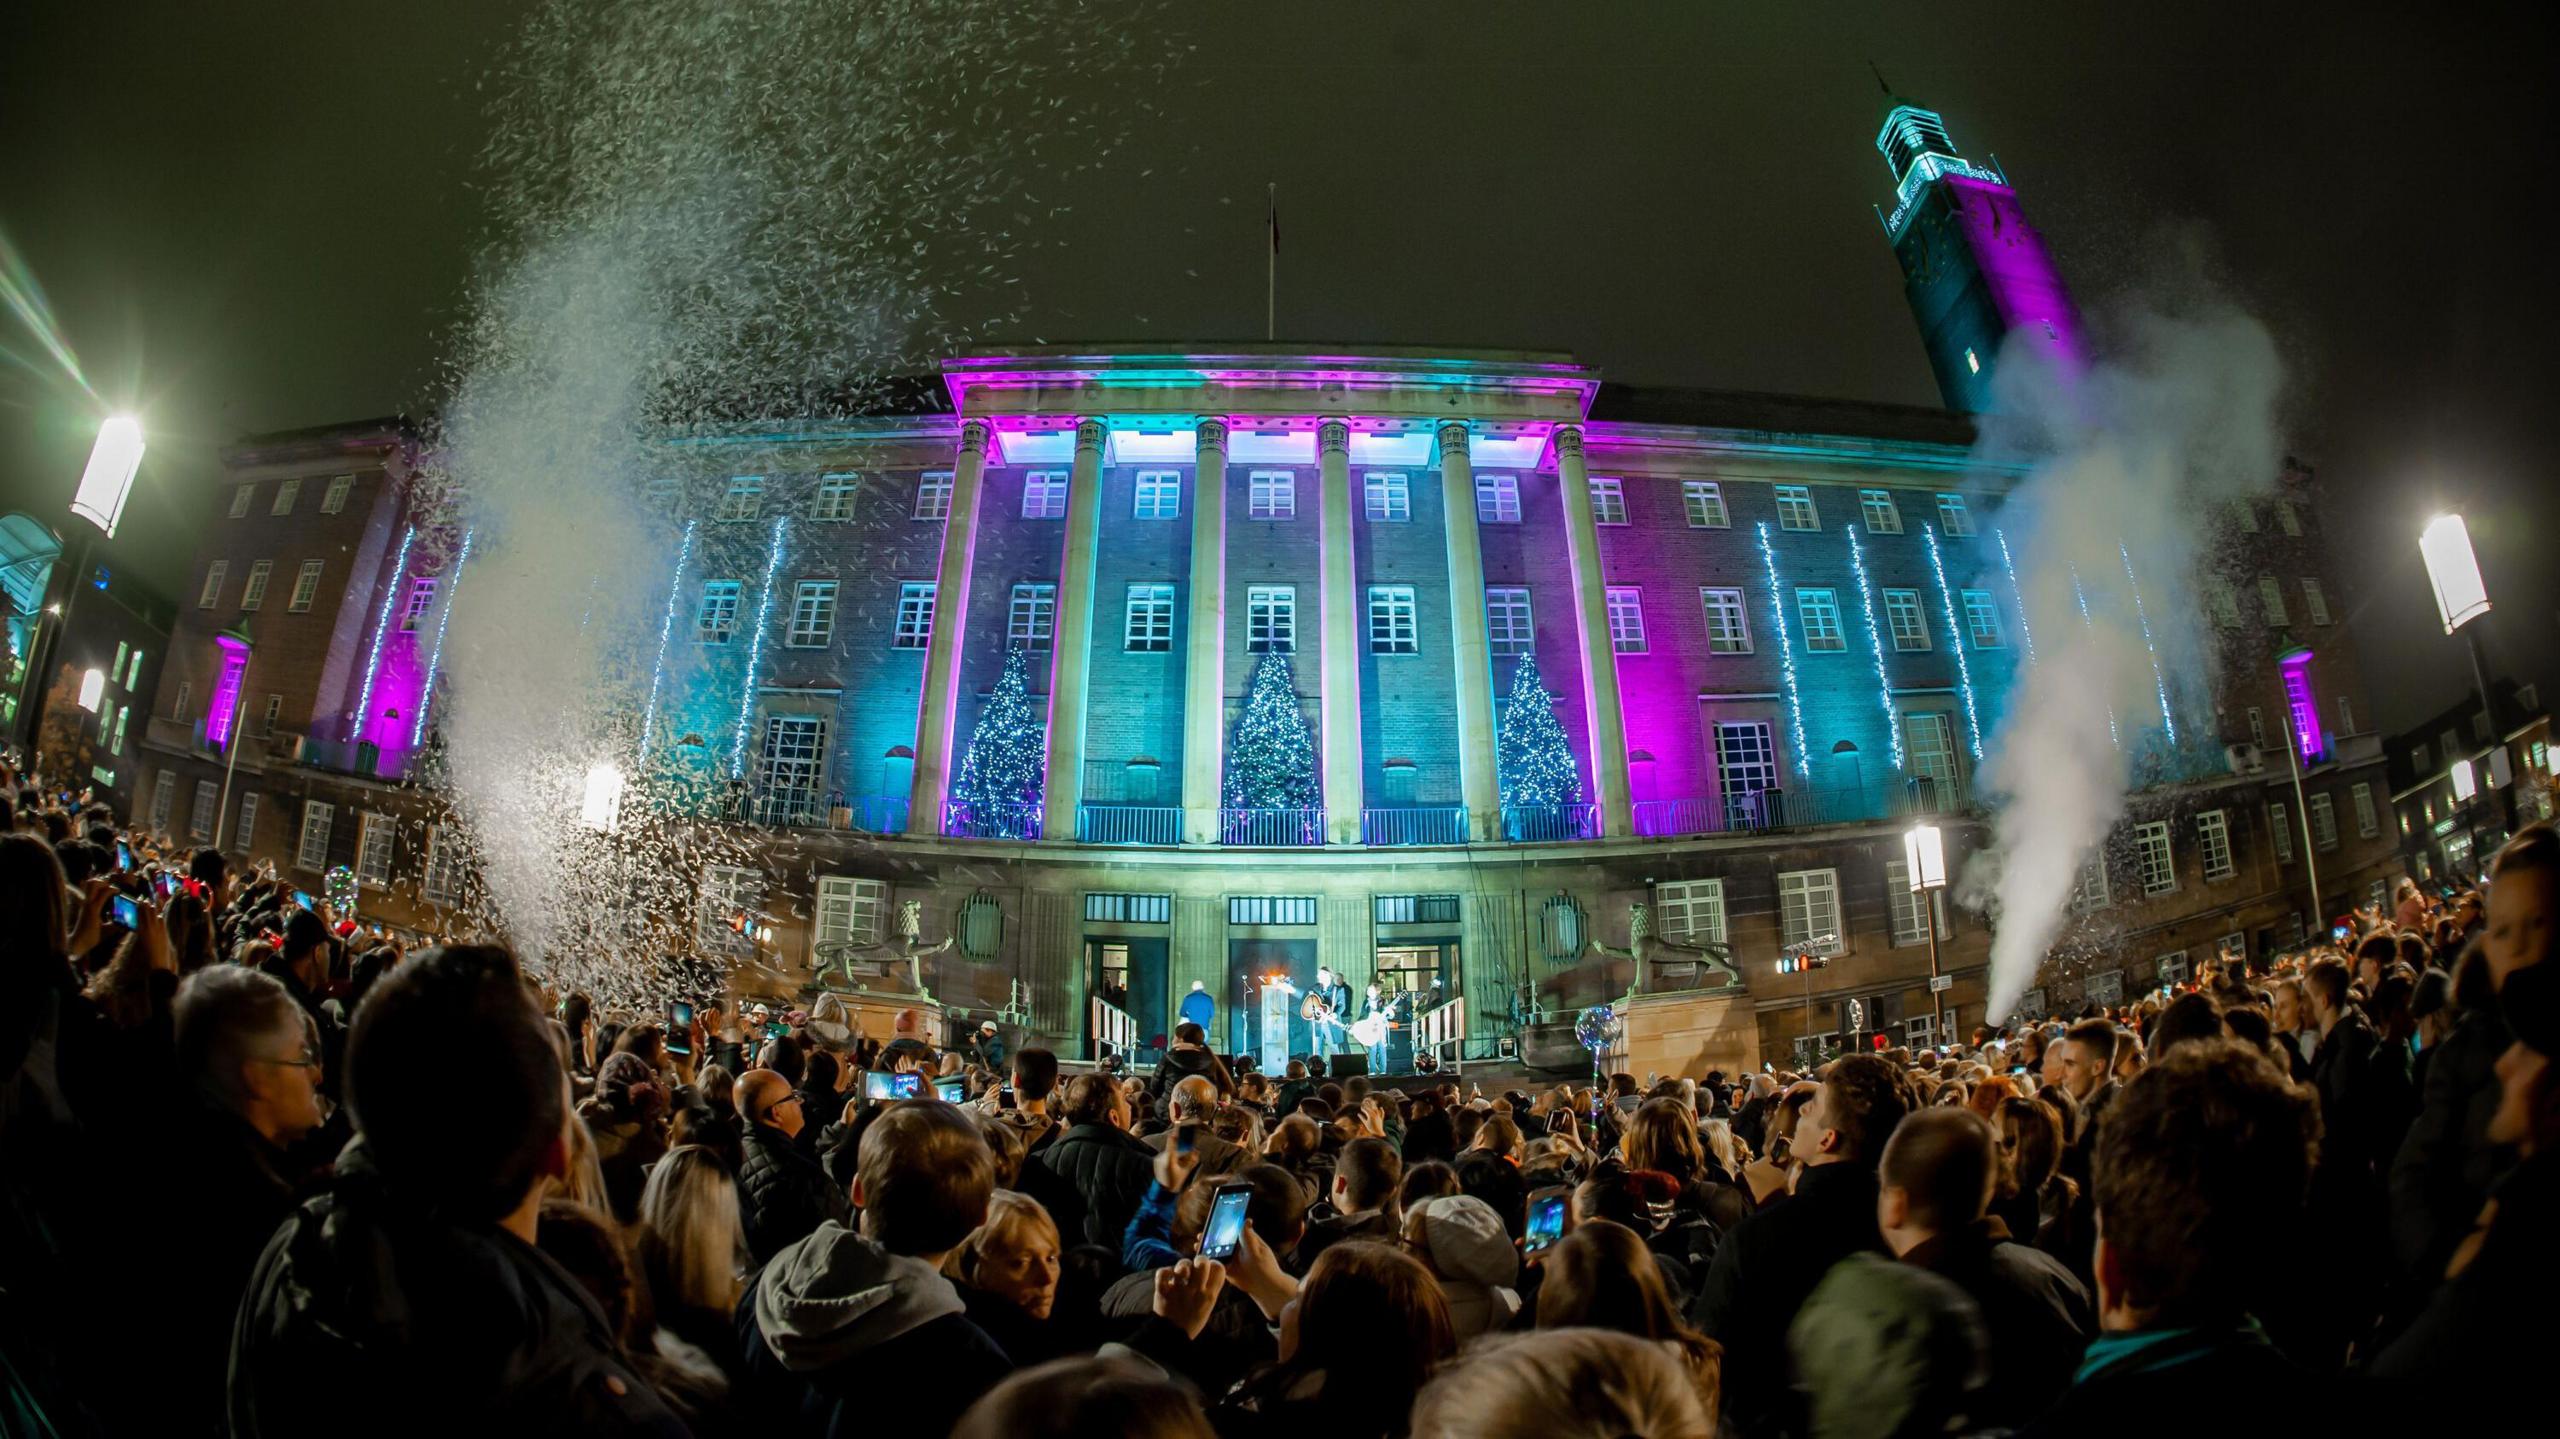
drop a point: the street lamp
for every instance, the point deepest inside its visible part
(1924, 859)
(601, 808)
(2453, 573)
(108, 482)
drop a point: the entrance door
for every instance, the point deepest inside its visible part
(1129, 975)
(1252, 965)
(1425, 974)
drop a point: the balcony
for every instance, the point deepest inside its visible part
(1106, 823)
(1431, 824)
(1762, 811)
(1270, 828)
(1017, 820)
(1550, 823)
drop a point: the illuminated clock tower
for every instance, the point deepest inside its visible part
(1974, 270)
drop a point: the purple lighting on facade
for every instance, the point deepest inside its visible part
(2017, 272)
(226, 691)
(2306, 709)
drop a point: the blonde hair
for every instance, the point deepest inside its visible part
(1011, 1218)
(584, 1183)
(1562, 1384)
(692, 1245)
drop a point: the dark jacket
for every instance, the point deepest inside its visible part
(1107, 1170)
(782, 1194)
(1323, 1234)
(1763, 1272)
(366, 1305)
(2479, 1335)
(1180, 1064)
(2446, 1164)
(2035, 1315)
(2342, 1070)
(2218, 1381)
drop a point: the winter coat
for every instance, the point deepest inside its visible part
(625, 1148)
(1180, 1064)
(1217, 1156)
(2220, 1381)
(1465, 1244)
(1762, 1274)
(2445, 1165)
(782, 1193)
(1106, 1170)
(239, 1190)
(2036, 1316)
(365, 1304)
(2478, 1336)
(1377, 1225)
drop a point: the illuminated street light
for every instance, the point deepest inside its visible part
(2465, 783)
(602, 808)
(1924, 858)
(108, 482)
(93, 689)
(2453, 572)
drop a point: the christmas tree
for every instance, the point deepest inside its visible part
(1271, 760)
(1001, 775)
(1535, 763)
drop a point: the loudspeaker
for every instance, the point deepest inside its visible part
(1347, 1065)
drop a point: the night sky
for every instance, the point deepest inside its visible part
(261, 217)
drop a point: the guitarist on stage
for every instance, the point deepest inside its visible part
(1324, 1009)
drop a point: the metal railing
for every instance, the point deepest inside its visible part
(807, 809)
(1128, 824)
(1550, 823)
(1440, 1030)
(1758, 811)
(1271, 826)
(1114, 1032)
(1434, 824)
(1013, 819)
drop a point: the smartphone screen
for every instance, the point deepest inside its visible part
(1224, 1233)
(304, 899)
(679, 1028)
(1186, 1138)
(1004, 1097)
(952, 1088)
(776, 1029)
(881, 1084)
(124, 855)
(1546, 1218)
(126, 912)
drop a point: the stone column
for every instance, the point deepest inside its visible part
(1469, 651)
(1204, 669)
(940, 703)
(1071, 640)
(1339, 637)
(1604, 720)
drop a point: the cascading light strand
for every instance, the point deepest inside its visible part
(1875, 646)
(1964, 671)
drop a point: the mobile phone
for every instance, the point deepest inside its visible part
(951, 1088)
(164, 885)
(126, 912)
(1546, 1217)
(1223, 1235)
(124, 855)
(1004, 1097)
(776, 1029)
(679, 1028)
(881, 1084)
(303, 898)
(1186, 1138)
(2339, 932)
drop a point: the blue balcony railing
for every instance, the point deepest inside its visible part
(1271, 826)
(1759, 811)
(1430, 824)
(1013, 819)
(1128, 824)
(1550, 823)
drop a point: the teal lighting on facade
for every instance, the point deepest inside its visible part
(2113, 737)
(1786, 653)
(1955, 641)
(755, 648)
(381, 626)
(2016, 596)
(1875, 645)
(435, 652)
(666, 632)
(2159, 682)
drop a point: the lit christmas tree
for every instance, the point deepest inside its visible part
(1006, 762)
(1271, 759)
(1533, 759)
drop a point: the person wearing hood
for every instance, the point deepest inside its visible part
(858, 1331)
(1190, 1057)
(1469, 1252)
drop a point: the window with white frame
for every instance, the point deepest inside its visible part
(715, 619)
(1270, 619)
(1690, 911)
(2245, 515)
(1906, 619)
(241, 499)
(1906, 905)
(2213, 840)
(1819, 610)
(245, 834)
(2346, 715)
(792, 765)
(254, 593)
(743, 500)
(2257, 726)
(2089, 890)
(1498, 499)
(850, 910)
(373, 849)
(116, 744)
(334, 499)
(835, 496)
(2378, 894)
(1704, 502)
(933, 495)
(1506, 620)
(1030, 621)
(214, 575)
(1271, 495)
(2324, 821)
(2271, 599)
(1388, 495)
(1391, 623)
(1929, 742)
(1608, 501)
(436, 884)
(2280, 829)
(1150, 619)
(286, 494)
(306, 586)
(2314, 603)
(178, 709)
(164, 791)
(1626, 619)
(2286, 519)
(1159, 495)
(1882, 515)
(1982, 620)
(2223, 602)
(915, 615)
(1795, 508)
(422, 598)
(1728, 621)
(1746, 764)
(2234, 944)
(2159, 862)
(1953, 517)
(312, 852)
(200, 817)
(813, 614)
(2170, 968)
(1044, 495)
(2368, 823)
(133, 676)
(1809, 910)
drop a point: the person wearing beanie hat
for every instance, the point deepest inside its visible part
(1884, 1349)
(1468, 1250)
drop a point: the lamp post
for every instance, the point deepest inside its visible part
(234, 639)
(1924, 859)
(104, 487)
(2453, 574)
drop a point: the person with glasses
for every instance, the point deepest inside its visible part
(783, 1194)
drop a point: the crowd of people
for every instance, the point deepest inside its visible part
(266, 1174)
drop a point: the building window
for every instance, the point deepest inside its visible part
(1270, 619)
(1982, 620)
(933, 495)
(1953, 517)
(850, 910)
(1795, 508)
(436, 884)
(743, 501)
(915, 615)
(373, 849)
(2286, 519)
(1691, 911)
(2368, 824)
(1608, 502)
(1389, 496)
(1150, 627)
(1626, 620)
(2213, 837)
(214, 574)
(313, 850)
(115, 672)
(2324, 822)
(1929, 736)
(1882, 515)
(267, 721)
(2346, 716)
(2314, 603)
(1908, 621)
(1159, 495)
(1391, 622)
(717, 617)
(306, 586)
(178, 709)
(2159, 862)
(1271, 495)
(793, 765)
(245, 834)
(334, 499)
(1506, 620)
(1498, 499)
(1809, 910)
(254, 593)
(1746, 764)
(1044, 495)
(2245, 515)
(286, 494)
(2279, 826)
(835, 496)
(1030, 622)
(1704, 500)
(1728, 622)
(200, 817)
(1905, 906)
(1271, 909)
(813, 613)
(133, 675)
(2223, 602)
(115, 742)
(1819, 609)
(422, 598)
(241, 499)
(2257, 727)
(2271, 596)
(2089, 891)
(1118, 908)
